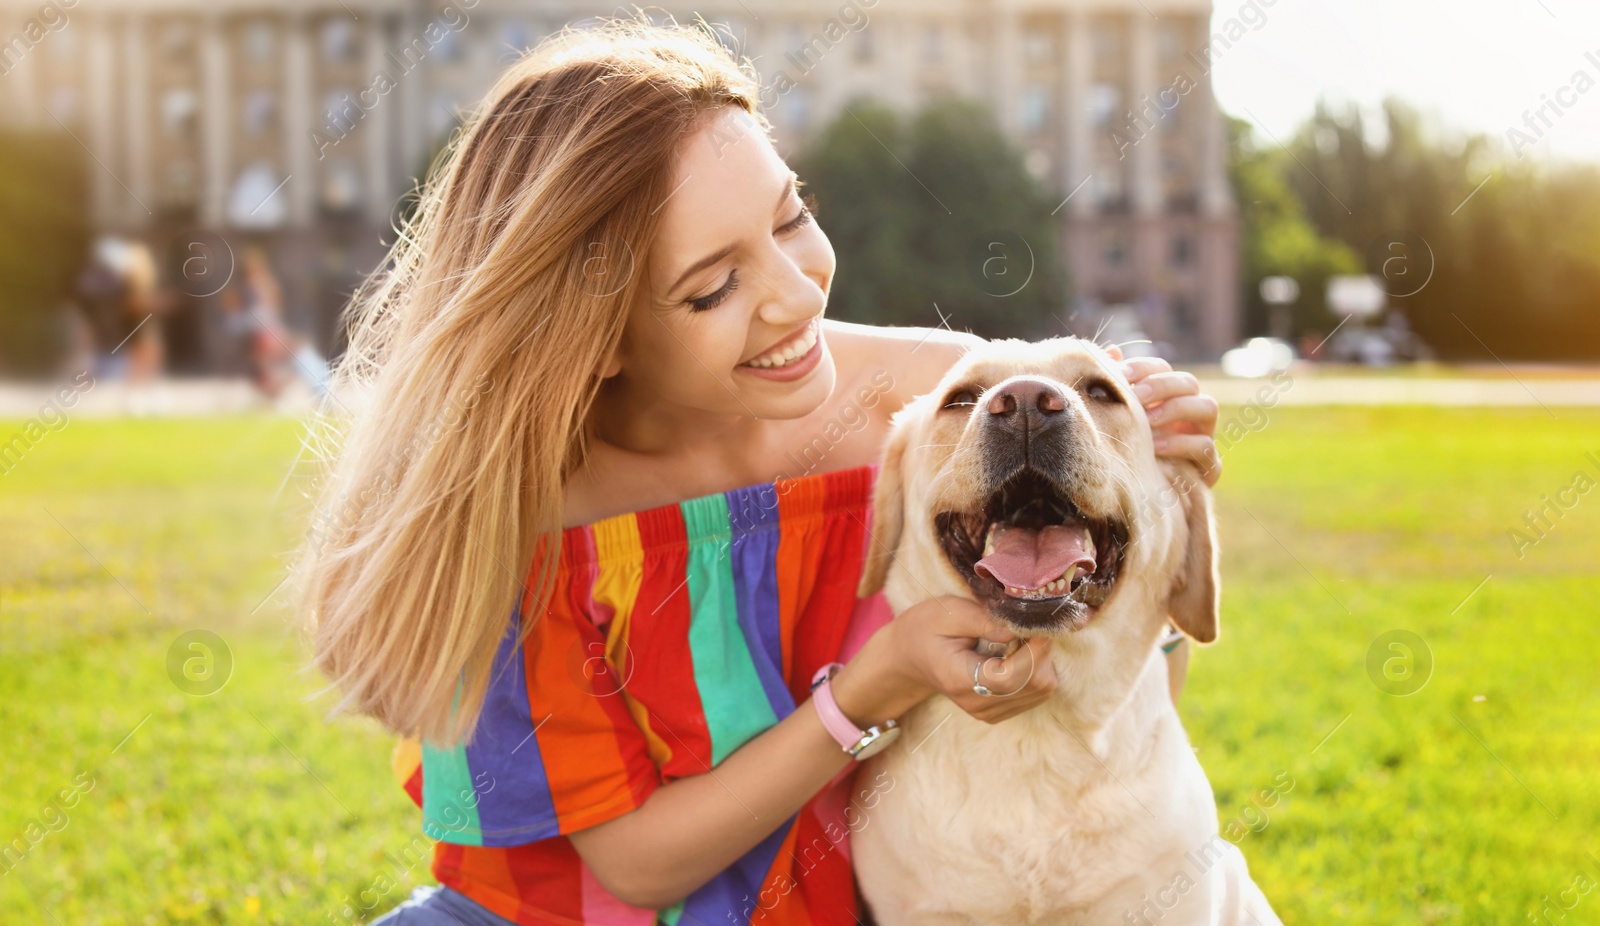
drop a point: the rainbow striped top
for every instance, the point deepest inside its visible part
(674, 635)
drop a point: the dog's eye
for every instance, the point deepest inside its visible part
(1100, 390)
(960, 398)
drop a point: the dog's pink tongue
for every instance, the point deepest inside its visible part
(1026, 558)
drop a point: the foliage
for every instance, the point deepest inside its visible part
(1515, 250)
(44, 238)
(938, 209)
(1277, 238)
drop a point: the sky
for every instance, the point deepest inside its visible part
(1476, 65)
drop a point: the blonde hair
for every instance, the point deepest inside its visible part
(478, 350)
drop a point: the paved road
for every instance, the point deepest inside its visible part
(1306, 389)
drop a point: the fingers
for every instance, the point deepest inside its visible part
(1161, 386)
(1017, 683)
(1185, 414)
(1196, 448)
(1140, 367)
(963, 617)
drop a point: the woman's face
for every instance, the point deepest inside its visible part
(730, 322)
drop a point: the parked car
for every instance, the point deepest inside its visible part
(1258, 357)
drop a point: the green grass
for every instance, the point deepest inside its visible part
(1337, 526)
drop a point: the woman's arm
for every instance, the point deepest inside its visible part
(694, 827)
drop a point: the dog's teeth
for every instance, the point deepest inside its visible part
(1088, 542)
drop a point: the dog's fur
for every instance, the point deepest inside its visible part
(1090, 808)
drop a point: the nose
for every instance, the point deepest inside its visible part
(1025, 403)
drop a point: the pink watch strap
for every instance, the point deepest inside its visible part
(845, 733)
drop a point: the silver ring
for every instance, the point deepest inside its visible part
(978, 687)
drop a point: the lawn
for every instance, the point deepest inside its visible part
(1467, 800)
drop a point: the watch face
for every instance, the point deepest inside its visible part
(876, 742)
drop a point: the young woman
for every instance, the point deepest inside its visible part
(598, 529)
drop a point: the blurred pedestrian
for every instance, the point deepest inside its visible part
(279, 354)
(99, 290)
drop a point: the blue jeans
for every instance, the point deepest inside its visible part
(440, 906)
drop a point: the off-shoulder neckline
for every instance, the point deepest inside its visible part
(804, 483)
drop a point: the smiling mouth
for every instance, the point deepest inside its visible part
(787, 351)
(1032, 556)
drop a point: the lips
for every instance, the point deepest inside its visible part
(786, 351)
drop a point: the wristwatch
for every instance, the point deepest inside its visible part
(860, 744)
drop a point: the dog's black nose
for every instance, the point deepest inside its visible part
(1029, 424)
(1025, 403)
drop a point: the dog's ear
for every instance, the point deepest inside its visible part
(1196, 588)
(888, 511)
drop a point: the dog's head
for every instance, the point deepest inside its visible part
(1028, 481)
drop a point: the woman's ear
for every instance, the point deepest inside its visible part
(1195, 600)
(888, 513)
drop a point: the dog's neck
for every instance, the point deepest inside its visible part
(1097, 668)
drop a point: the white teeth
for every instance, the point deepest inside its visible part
(790, 354)
(1088, 542)
(988, 540)
(1058, 587)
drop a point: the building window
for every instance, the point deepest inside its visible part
(340, 113)
(515, 38)
(864, 46)
(260, 111)
(731, 33)
(1035, 109)
(64, 47)
(338, 40)
(341, 186)
(178, 108)
(1184, 322)
(1106, 40)
(1106, 186)
(1169, 41)
(1182, 250)
(180, 183)
(1038, 164)
(1116, 252)
(64, 104)
(450, 47)
(1171, 117)
(1039, 47)
(261, 42)
(797, 109)
(258, 199)
(442, 115)
(1104, 101)
(177, 39)
(932, 42)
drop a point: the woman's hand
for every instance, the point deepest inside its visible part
(929, 649)
(1182, 418)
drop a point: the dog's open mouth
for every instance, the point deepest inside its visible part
(1032, 556)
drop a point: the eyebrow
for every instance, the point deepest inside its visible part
(704, 262)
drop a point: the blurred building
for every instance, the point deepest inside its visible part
(300, 123)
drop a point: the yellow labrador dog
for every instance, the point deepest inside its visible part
(1028, 482)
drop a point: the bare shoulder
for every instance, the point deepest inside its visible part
(906, 362)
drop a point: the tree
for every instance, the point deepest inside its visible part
(1513, 251)
(938, 210)
(1277, 238)
(44, 240)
